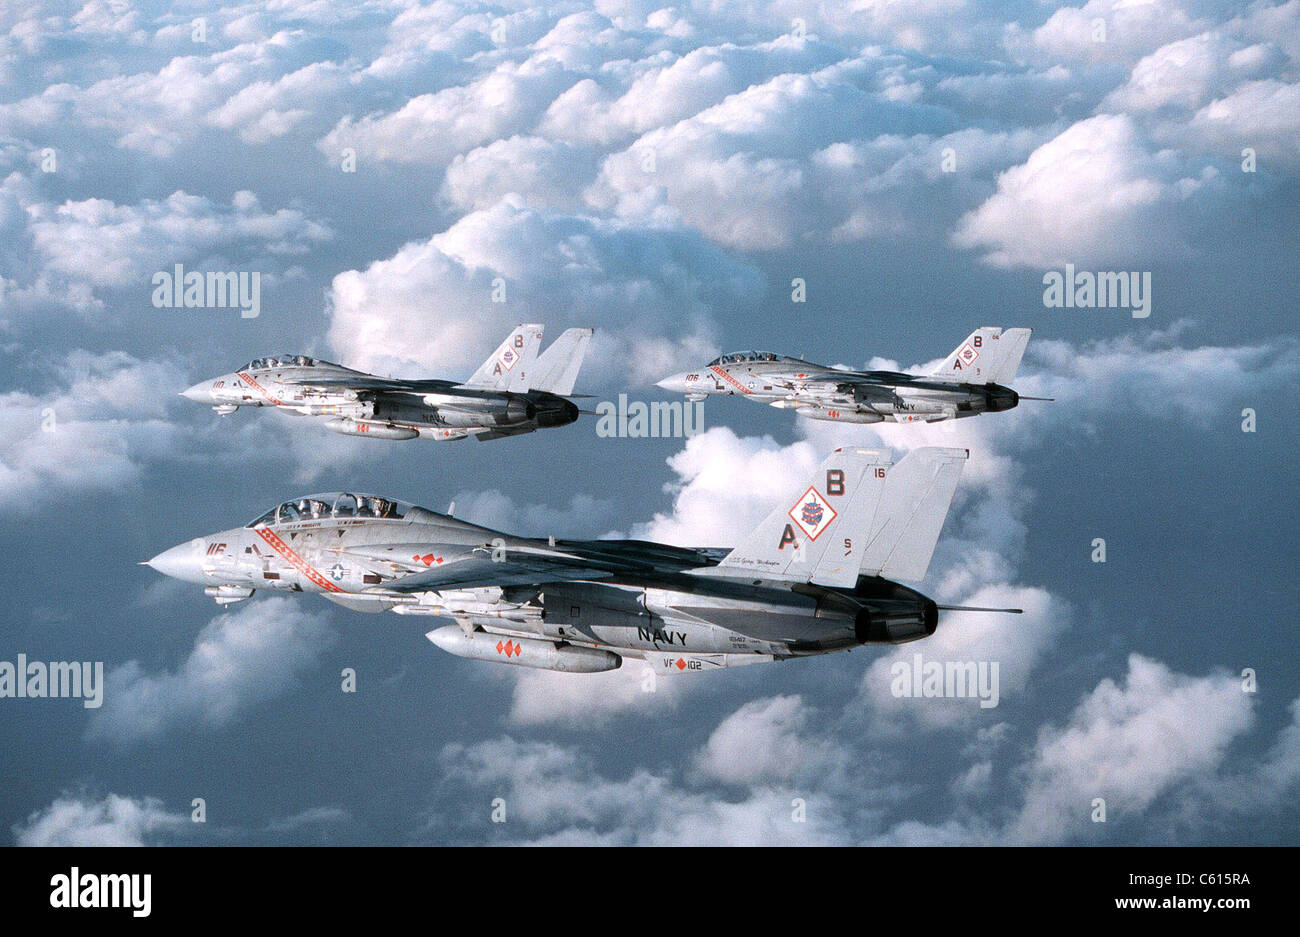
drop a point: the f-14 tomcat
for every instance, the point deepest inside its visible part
(970, 381)
(515, 391)
(816, 576)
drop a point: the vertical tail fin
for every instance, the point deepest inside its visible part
(818, 533)
(905, 529)
(510, 367)
(1013, 344)
(556, 369)
(975, 359)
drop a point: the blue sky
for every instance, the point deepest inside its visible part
(662, 173)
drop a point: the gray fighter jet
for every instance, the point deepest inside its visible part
(515, 391)
(816, 576)
(971, 380)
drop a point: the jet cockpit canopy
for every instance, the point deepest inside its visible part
(337, 504)
(286, 361)
(742, 357)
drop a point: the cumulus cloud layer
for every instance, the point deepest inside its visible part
(93, 432)
(240, 659)
(1049, 141)
(114, 820)
(651, 171)
(433, 307)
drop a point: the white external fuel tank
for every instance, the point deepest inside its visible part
(523, 652)
(349, 427)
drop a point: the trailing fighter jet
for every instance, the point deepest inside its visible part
(515, 391)
(971, 380)
(816, 576)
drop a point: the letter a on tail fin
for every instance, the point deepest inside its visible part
(817, 533)
(511, 366)
(905, 529)
(556, 370)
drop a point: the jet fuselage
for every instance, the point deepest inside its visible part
(824, 393)
(668, 605)
(432, 409)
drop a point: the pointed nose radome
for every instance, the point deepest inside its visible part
(674, 382)
(199, 393)
(183, 562)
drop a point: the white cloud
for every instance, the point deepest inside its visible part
(1260, 784)
(1263, 115)
(264, 110)
(1093, 194)
(429, 309)
(727, 484)
(764, 740)
(115, 245)
(68, 254)
(1186, 73)
(312, 817)
(104, 418)
(158, 112)
(240, 659)
(558, 797)
(1016, 644)
(433, 128)
(1128, 29)
(670, 88)
(742, 171)
(79, 820)
(93, 432)
(1127, 744)
(547, 173)
(1151, 375)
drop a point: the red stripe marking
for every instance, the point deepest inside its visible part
(259, 388)
(296, 561)
(727, 377)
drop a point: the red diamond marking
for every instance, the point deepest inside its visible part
(681, 664)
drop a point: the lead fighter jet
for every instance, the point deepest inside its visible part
(971, 380)
(816, 576)
(515, 391)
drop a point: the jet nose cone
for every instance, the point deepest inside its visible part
(674, 382)
(199, 393)
(182, 562)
